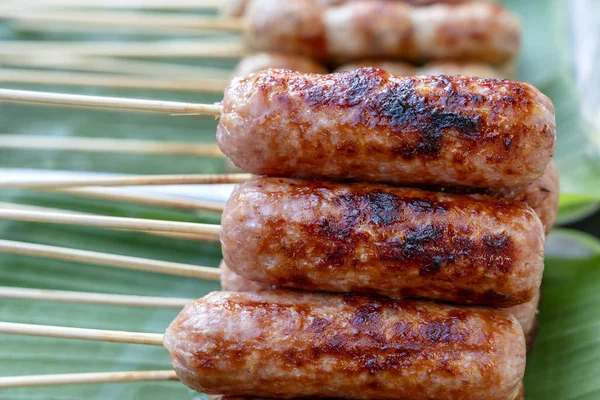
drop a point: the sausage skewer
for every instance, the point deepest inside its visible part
(372, 126)
(428, 239)
(475, 31)
(459, 341)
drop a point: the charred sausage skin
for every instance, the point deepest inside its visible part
(290, 344)
(398, 242)
(367, 125)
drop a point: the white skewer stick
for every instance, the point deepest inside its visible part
(186, 236)
(117, 66)
(193, 49)
(111, 81)
(134, 224)
(92, 298)
(108, 145)
(147, 199)
(86, 378)
(134, 4)
(60, 332)
(189, 23)
(109, 260)
(136, 180)
(167, 107)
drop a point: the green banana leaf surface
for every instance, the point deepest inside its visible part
(565, 361)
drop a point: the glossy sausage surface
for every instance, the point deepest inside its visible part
(368, 125)
(290, 344)
(398, 242)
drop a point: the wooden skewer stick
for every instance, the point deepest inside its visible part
(167, 107)
(137, 180)
(134, 224)
(185, 236)
(117, 66)
(127, 19)
(111, 81)
(147, 199)
(143, 4)
(109, 260)
(86, 378)
(92, 298)
(154, 339)
(107, 145)
(194, 49)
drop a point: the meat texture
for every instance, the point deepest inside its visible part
(260, 61)
(290, 344)
(525, 313)
(542, 196)
(387, 30)
(398, 242)
(368, 125)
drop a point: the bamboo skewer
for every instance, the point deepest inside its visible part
(135, 180)
(195, 49)
(94, 145)
(59, 332)
(188, 23)
(92, 298)
(143, 4)
(117, 66)
(147, 199)
(119, 103)
(109, 260)
(186, 236)
(134, 224)
(86, 378)
(111, 81)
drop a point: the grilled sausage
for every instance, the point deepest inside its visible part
(291, 344)
(525, 313)
(260, 61)
(542, 196)
(398, 242)
(232, 282)
(384, 30)
(368, 125)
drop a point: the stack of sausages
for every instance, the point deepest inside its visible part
(482, 37)
(412, 209)
(385, 244)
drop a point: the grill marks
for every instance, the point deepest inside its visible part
(368, 334)
(396, 104)
(407, 242)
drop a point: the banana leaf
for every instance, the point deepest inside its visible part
(565, 361)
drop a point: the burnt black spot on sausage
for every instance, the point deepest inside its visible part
(427, 206)
(496, 242)
(430, 269)
(385, 208)
(508, 143)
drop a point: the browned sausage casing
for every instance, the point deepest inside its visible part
(398, 242)
(291, 344)
(368, 125)
(525, 313)
(384, 30)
